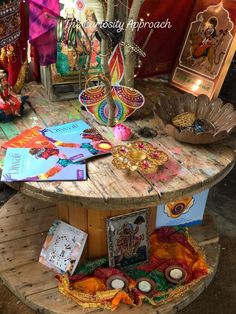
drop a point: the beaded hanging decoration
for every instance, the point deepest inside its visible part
(9, 23)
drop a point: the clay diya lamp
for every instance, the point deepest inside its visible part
(146, 286)
(176, 274)
(117, 282)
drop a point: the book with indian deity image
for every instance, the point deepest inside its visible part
(127, 238)
(30, 138)
(45, 164)
(77, 134)
(63, 247)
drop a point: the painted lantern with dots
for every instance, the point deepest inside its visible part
(127, 100)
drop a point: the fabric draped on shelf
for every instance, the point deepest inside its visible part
(42, 33)
(169, 246)
(13, 42)
(9, 22)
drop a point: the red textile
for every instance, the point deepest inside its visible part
(164, 44)
(35, 63)
(13, 65)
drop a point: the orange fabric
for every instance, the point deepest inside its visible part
(121, 297)
(90, 285)
(176, 251)
(168, 247)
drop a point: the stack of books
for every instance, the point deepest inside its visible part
(56, 153)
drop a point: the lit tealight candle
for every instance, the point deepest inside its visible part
(117, 284)
(144, 286)
(176, 274)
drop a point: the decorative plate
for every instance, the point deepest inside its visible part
(127, 101)
(141, 156)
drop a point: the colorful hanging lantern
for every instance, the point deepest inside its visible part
(127, 101)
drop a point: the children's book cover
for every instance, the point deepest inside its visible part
(44, 164)
(77, 134)
(63, 247)
(186, 212)
(30, 138)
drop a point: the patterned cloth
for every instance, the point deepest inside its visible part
(168, 246)
(42, 31)
(13, 57)
(9, 22)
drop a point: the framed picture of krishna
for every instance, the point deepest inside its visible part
(127, 237)
(208, 48)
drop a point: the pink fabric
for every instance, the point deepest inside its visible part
(42, 31)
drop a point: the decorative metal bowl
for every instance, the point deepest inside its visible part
(210, 121)
(140, 156)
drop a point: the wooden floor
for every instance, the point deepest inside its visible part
(24, 223)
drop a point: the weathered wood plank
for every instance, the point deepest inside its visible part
(97, 240)
(22, 225)
(78, 217)
(152, 219)
(20, 204)
(20, 252)
(206, 233)
(29, 279)
(63, 212)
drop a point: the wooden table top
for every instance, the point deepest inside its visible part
(190, 169)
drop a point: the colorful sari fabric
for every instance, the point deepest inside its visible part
(43, 21)
(169, 246)
(9, 22)
(13, 56)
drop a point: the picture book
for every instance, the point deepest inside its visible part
(127, 238)
(30, 138)
(185, 212)
(63, 247)
(44, 164)
(77, 134)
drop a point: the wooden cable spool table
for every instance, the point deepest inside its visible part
(86, 204)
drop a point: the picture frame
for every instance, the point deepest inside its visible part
(128, 239)
(208, 48)
(66, 78)
(187, 211)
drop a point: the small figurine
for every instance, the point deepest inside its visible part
(10, 104)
